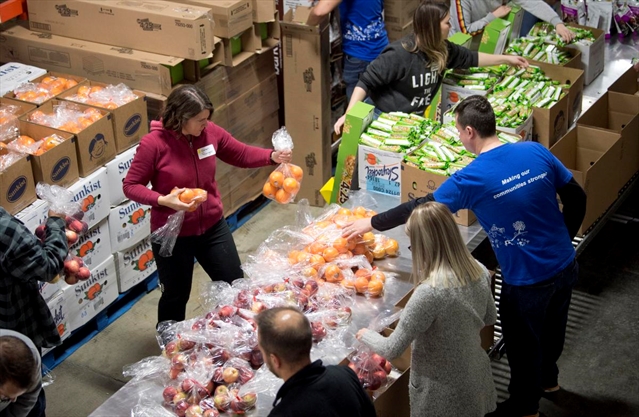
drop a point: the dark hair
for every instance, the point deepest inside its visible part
(428, 33)
(184, 103)
(17, 363)
(291, 341)
(476, 112)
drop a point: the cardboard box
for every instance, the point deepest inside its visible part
(94, 247)
(357, 120)
(160, 27)
(494, 37)
(129, 121)
(592, 56)
(23, 106)
(94, 145)
(116, 172)
(394, 402)
(627, 83)
(249, 45)
(129, 223)
(49, 289)
(14, 74)
(461, 39)
(256, 104)
(267, 35)
(17, 187)
(618, 113)
(230, 17)
(134, 265)
(453, 94)
(567, 75)
(399, 12)
(397, 32)
(593, 156)
(417, 183)
(90, 297)
(307, 81)
(379, 171)
(515, 17)
(34, 215)
(550, 125)
(60, 306)
(195, 70)
(250, 188)
(92, 193)
(263, 10)
(79, 80)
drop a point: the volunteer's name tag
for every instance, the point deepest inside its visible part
(206, 151)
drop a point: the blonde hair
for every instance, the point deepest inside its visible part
(440, 256)
(428, 34)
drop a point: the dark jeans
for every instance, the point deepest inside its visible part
(527, 23)
(353, 67)
(534, 321)
(215, 250)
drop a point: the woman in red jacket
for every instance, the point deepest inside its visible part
(181, 151)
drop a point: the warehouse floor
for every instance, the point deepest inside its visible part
(599, 367)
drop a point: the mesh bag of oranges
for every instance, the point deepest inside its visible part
(9, 123)
(284, 183)
(67, 117)
(109, 97)
(47, 88)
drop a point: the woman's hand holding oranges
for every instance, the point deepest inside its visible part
(282, 157)
(173, 201)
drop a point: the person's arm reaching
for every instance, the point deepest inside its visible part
(462, 10)
(541, 10)
(573, 198)
(321, 9)
(487, 60)
(359, 94)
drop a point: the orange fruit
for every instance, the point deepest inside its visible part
(330, 254)
(352, 244)
(359, 211)
(368, 239)
(316, 261)
(345, 212)
(47, 80)
(369, 256)
(268, 190)
(70, 84)
(363, 272)
(309, 272)
(359, 249)
(303, 257)
(379, 252)
(316, 247)
(110, 105)
(24, 140)
(84, 90)
(292, 256)
(3, 149)
(282, 196)
(378, 276)
(332, 273)
(49, 143)
(347, 283)
(296, 172)
(291, 185)
(200, 194)
(361, 285)
(276, 179)
(186, 196)
(341, 245)
(95, 89)
(370, 213)
(392, 247)
(375, 288)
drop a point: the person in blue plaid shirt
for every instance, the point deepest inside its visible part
(23, 262)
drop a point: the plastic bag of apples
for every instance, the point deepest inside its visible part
(60, 201)
(284, 183)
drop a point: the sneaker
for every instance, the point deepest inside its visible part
(552, 389)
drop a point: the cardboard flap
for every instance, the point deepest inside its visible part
(295, 20)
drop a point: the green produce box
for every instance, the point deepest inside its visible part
(495, 37)
(515, 17)
(461, 39)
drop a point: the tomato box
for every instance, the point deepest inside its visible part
(93, 295)
(94, 247)
(17, 187)
(130, 120)
(93, 195)
(379, 171)
(60, 306)
(116, 172)
(34, 215)
(135, 264)
(129, 223)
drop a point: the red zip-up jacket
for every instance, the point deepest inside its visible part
(170, 159)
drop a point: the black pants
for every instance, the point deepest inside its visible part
(215, 250)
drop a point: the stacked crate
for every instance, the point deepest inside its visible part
(398, 15)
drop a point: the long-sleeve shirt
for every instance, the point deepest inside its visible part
(169, 159)
(24, 403)
(472, 16)
(399, 80)
(23, 262)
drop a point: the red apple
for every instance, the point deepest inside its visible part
(256, 359)
(249, 399)
(245, 375)
(211, 413)
(207, 404)
(311, 286)
(72, 237)
(41, 232)
(181, 407)
(222, 390)
(188, 385)
(227, 311)
(210, 386)
(71, 279)
(378, 359)
(237, 406)
(171, 349)
(318, 330)
(78, 260)
(222, 402)
(194, 411)
(179, 361)
(83, 273)
(298, 282)
(387, 367)
(79, 215)
(174, 373)
(71, 267)
(185, 344)
(168, 394)
(218, 377)
(230, 375)
(77, 226)
(180, 396)
(269, 288)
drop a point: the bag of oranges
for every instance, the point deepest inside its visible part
(284, 183)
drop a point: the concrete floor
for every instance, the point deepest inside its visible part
(599, 367)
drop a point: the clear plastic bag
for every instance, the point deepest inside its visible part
(59, 199)
(371, 369)
(9, 123)
(284, 183)
(66, 116)
(109, 97)
(167, 235)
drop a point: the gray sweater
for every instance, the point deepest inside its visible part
(26, 401)
(471, 16)
(450, 372)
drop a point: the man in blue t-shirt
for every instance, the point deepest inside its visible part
(512, 190)
(364, 35)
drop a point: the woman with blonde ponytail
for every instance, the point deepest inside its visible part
(450, 372)
(408, 73)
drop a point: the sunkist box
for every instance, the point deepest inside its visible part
(494, 37)
(129, 120)
(592, 56)
(356, 122)
(160, 27)
(34, 215)
(134, 265)
(92, 193)
(307, 85)
(129, 223)
(14, 74)
(60, 306)
(93, 295)
(17, 187)
(94, 247)
(145, 71)
(230, 17)
(593, 156)
(116, 172)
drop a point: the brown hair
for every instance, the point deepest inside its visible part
(428, 34)
(440, 256)
(184, 103)
(475, 111)
(17, 363)
(291, 341)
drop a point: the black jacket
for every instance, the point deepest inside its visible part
(323, 391)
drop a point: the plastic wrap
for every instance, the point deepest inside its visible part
(66, 116)
(9, 123)
(284, 183)
(59, 199)
(8, 158)
(371, 368)
(49, 87)
(167, 235)
(109, 97)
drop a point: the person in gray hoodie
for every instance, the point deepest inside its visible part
(472, 16)
(20, 375)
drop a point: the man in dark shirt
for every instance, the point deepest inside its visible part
(310, 389)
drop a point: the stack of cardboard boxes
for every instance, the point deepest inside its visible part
(398, 15)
